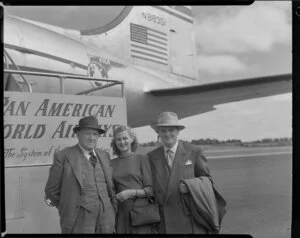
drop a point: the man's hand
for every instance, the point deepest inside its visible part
(49, 202)
(183, 188)
(124, 195)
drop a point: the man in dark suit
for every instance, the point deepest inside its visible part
(80, 183)
(170, 163)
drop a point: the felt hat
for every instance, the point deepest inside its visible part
(167, 119)
(90, 122)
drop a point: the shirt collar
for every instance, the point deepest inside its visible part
(173, 148)
(86, 152)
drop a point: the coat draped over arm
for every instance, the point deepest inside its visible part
(204, 203)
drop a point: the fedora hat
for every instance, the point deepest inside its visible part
(88, 122)
(167, 119)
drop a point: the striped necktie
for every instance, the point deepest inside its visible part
(93, 158)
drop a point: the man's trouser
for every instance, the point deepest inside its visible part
(96, 220)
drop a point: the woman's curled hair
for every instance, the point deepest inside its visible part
(120, 128)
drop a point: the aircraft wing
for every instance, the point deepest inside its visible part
(202, 98)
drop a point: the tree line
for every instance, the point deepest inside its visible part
(285, 141)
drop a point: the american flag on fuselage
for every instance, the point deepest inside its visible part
(148, 44)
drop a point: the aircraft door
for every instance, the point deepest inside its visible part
(182, 50)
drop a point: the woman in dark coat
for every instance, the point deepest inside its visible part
(132, 179)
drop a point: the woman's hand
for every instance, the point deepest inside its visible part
(124, 195)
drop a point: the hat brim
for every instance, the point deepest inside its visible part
(156, 127)
(77, 128)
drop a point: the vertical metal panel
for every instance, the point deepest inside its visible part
(13, 196)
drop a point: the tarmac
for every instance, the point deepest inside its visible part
(258, 191)
(256, 184)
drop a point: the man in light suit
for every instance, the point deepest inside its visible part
(170, 163)
(80, 183)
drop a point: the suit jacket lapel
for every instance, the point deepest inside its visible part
(161, 169)
(74, 158)
(176, 171)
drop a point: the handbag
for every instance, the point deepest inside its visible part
(144, 215)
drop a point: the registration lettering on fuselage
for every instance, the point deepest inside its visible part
(153, 18)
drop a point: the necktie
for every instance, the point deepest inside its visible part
(170, 157)
(93, 158)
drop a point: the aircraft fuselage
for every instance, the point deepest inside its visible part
(35, 48)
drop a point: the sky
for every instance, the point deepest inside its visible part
(233, 42)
